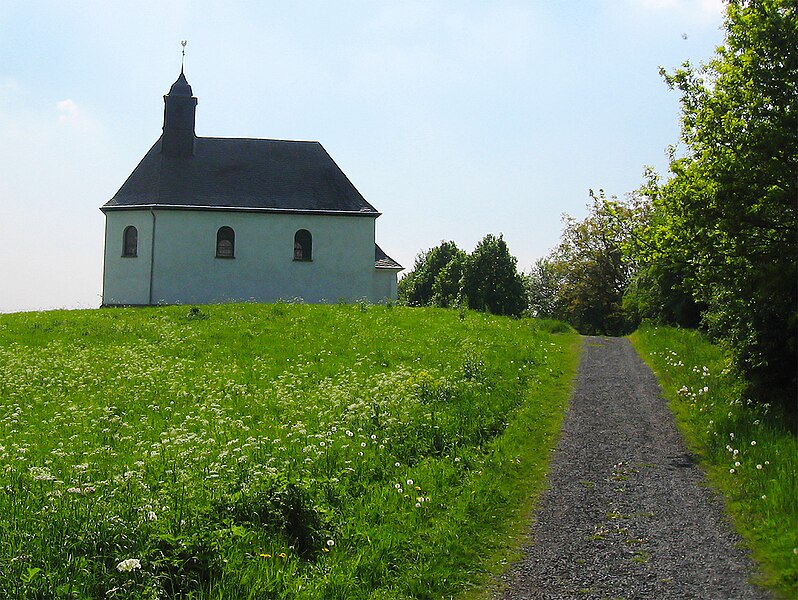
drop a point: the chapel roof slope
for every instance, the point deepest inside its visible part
(383, 261)
(242, 174)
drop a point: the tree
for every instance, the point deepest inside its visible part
(485, 280)
(591, 267)
(417, 288)
(542, 285)
(727, 216)
(446, 289)
(490, 280)
(660, 290)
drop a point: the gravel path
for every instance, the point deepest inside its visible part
(627, 514)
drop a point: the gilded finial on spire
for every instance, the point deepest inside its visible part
(183, 60)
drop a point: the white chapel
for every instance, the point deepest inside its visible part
(203, 220)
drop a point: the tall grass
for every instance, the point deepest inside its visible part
(747, 449)
(269, 451)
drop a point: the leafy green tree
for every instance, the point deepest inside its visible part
(660, 289)
(591, 267)
(542, 285)
(446, 290)
(729, 211)
(417, 288)
(490, 280)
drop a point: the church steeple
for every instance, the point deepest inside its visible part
(178, 119)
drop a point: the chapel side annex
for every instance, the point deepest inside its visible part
(203, 220)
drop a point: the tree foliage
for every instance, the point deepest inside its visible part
(725, 223)
(542, 286)
(417, 287)
(486, 280)
(661, 287)
(716, 244)
(584, 278)
(490, 280)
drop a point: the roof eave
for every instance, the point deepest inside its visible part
(245, 209)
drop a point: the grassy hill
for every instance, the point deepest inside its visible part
(269, 451)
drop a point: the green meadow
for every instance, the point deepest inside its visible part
(271, 451)
(747, 449)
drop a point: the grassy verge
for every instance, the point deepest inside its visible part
(278, 451)
(747, 452)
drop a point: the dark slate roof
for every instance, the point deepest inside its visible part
(383, 261)
(242, 174)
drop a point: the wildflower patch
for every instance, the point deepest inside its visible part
(243, 449)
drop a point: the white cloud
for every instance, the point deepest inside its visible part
(701, 11)
(67, 111)
(74, 118)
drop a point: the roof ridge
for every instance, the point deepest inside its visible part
(255, 139)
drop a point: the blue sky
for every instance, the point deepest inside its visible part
(453, 118)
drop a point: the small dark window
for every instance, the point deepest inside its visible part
(130, 241)
(225, 243)
(303, 245)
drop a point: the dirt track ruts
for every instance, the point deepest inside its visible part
(627, 514)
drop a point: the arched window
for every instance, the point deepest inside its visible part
(303, 245)
(130, 241)
(225, 242)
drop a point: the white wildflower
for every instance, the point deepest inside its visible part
(129, 564)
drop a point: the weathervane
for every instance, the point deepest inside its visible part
(183, 60)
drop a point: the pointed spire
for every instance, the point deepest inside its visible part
(179, 114)
(181, 86)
